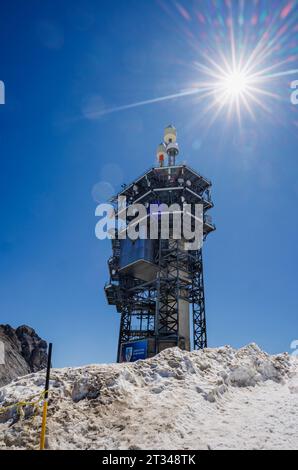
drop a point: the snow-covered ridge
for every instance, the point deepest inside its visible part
(216, 398)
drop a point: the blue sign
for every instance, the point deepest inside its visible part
(134, 351)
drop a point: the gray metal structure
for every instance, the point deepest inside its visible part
(156, 285)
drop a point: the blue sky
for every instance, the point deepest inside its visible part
(62, 65)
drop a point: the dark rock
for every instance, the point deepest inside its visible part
(25, 352)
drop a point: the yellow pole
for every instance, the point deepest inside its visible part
(43, 425)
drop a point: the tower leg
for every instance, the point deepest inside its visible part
(198, 304)
(124, 330)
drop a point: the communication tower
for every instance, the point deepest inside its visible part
(157, 284)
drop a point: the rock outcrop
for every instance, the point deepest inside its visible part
(24, 352)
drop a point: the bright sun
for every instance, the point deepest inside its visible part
(235, 83)
(232, 84)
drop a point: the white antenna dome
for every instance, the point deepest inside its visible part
(170, 135)
(161, 154)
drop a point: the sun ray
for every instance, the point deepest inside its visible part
(248, 108)
(260, 103)
(260, 91)
(263, 74)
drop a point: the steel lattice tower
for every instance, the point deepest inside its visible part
(157, 285)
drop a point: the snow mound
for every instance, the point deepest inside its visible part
(212, 399)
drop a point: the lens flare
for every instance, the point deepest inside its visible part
(245, 55)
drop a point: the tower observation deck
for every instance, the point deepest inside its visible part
(156, 283)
